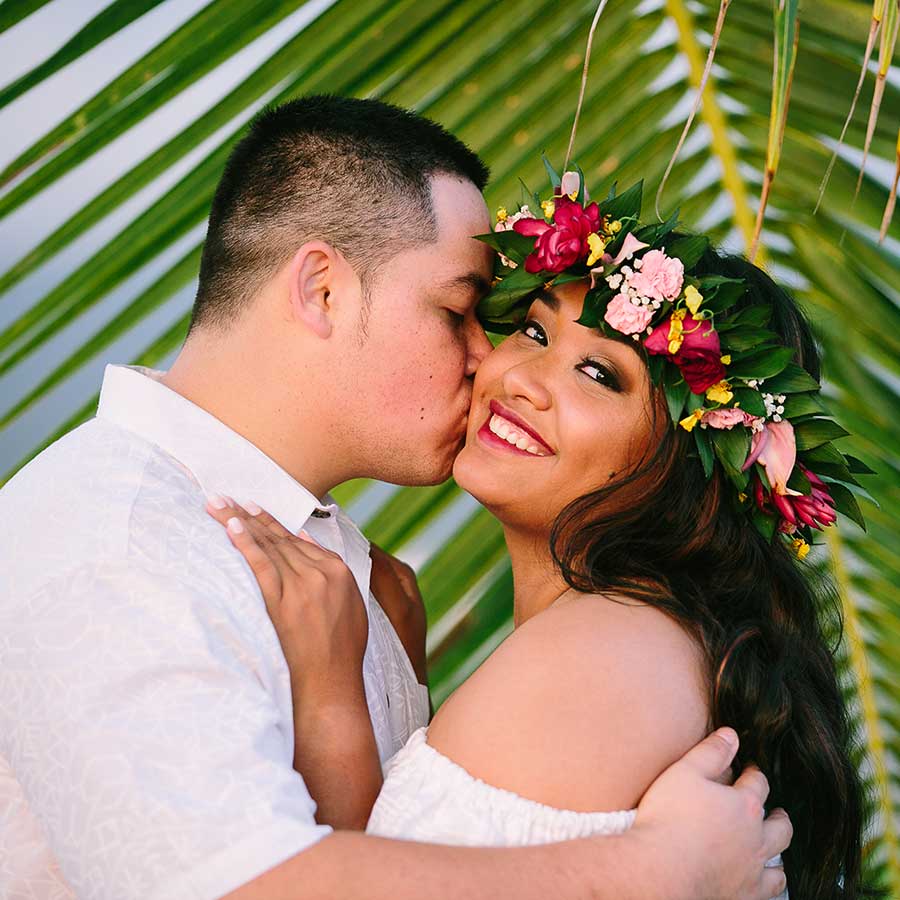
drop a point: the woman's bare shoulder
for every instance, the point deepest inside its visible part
(581, 707)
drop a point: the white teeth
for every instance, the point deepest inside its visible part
(499, 426)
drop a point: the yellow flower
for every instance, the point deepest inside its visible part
(690, 421)
(693, 298)
(549, 207)
(614, 227)
(725, 360)
(799, 547)
(719, 393)
(597, 245)
(502, 214)
(676, 329)
(742, 497)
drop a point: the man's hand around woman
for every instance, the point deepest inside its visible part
(696, 817)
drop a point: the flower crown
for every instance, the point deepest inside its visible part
(727, 378)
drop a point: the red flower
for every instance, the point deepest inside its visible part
(815, 509)
(698, 357)
(563, 243)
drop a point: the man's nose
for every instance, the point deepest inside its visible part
(478, 347)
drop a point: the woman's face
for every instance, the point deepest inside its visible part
(558, 410)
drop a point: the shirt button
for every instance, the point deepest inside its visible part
(321, 514)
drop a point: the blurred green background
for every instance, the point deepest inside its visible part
(116, 118)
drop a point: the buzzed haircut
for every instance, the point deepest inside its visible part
(354, 173)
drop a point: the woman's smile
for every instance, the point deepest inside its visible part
(504, 430)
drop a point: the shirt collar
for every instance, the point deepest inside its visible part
(219, 459)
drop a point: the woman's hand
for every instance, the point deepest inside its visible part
(395, 588)
(320, 619)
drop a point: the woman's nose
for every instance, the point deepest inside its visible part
(528, 382)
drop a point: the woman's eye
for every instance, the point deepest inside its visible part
(600, 374)
(457, 318)
(534, 331)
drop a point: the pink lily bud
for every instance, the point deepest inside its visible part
(776, 448)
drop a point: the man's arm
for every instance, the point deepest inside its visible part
(695, 837)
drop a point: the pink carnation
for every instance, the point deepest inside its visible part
(660, 277)
(727, 418)
(625, 316)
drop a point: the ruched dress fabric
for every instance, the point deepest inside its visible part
(427, 797)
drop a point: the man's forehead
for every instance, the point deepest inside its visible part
(459, 207)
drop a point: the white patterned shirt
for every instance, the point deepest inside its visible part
(146, 729)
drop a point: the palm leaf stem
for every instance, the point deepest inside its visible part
(711, 112)
(874, 26)
(892, 198)
(886, 53)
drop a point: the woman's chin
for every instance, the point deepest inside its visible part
(497, 491)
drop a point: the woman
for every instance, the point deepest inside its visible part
(654, 601)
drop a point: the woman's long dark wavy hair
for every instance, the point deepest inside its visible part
(682, 545)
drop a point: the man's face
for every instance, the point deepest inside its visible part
(423, 343)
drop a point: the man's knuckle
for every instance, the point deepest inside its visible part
(753, 806)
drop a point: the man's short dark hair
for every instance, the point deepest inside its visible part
(354, 173)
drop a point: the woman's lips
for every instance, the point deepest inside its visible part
(520, 425)
(502, 433)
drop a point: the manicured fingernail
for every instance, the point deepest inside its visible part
(217, 501)
(235, 525)
(253, 508)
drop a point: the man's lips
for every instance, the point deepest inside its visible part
(521, 425)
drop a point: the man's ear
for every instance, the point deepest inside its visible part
(312, 271)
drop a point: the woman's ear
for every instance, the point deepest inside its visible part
(311, 272)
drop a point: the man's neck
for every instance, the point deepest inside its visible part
(239, 385)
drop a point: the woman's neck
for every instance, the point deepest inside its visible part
(537, 583)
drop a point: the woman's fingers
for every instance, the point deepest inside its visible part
(224, 509)
(266, 519)
(262, 563)
(275, 531)
(299, 553)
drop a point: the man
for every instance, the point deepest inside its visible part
(146, 732)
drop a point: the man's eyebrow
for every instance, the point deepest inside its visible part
(474, 281)
(546, 298)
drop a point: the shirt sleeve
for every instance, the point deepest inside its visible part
(136, 717)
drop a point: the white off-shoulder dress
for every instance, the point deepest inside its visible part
(428, 797)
